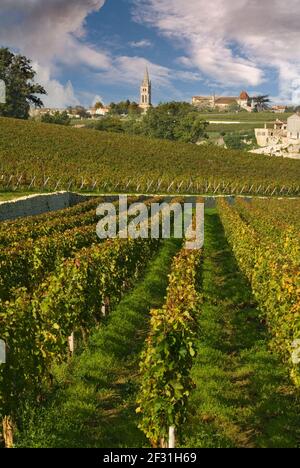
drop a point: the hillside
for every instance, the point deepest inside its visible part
(101, 161)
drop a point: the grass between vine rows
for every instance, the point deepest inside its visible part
(94, 405)
(243, 396)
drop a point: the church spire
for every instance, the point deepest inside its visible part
(146, 77)
(145, 98)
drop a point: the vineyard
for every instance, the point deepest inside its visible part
(142, 342)
(55, 158)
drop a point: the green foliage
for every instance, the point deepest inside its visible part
(177, 121)
(109, 124)
(169, 354)
(262, 102)
(270, 258)
(98, 105)
(21, 90)
(125, 108)
(239, 140)
(59, 118)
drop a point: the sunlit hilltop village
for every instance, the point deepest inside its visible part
(280, 137)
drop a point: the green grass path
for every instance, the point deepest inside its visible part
(243, 397)
(95, 406)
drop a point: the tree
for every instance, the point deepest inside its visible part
(134, 110)
(262, 102)
(81, 111)
(21, 90)
(124, 108)
(239, 140)
(174, 121)
(190, 129)
(59, 118)
(98, 105)
(235, 108)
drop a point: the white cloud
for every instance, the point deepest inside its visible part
(59, 95)
(234, 42)
(142, 44)
(51, 33)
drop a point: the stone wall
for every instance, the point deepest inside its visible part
(38, 204)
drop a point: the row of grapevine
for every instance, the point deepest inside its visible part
(271, 263)
(55, 158)
(169, 353)
(65, 213)
(36, 327)
(36, 324)
(25, 264)
(17, 232)
(269, 222)
(284, 210)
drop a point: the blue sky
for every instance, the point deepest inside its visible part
(89, 49)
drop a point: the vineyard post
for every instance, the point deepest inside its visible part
(7, 423)
(9, 181)
(71, 343)
(32, 182)
(19, 181)
(94, 185)
(2, 352)
(273, 191)
(46, 180)
(282, 189)
(172, 441)
(160, 181)
(57, 185)
(170, 186)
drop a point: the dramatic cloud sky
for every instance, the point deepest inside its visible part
(87, 48)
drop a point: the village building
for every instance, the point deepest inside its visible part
(39, 112)
(223, 103)
(204, 101)
(96, 113)
(279, 132)
(279, 109)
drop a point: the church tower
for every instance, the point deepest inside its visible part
(145, 100)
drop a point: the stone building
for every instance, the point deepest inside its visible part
(146, 93)
(272, 133)
(279, 132)
(293, 127)
(224, 102)
(204, 101)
